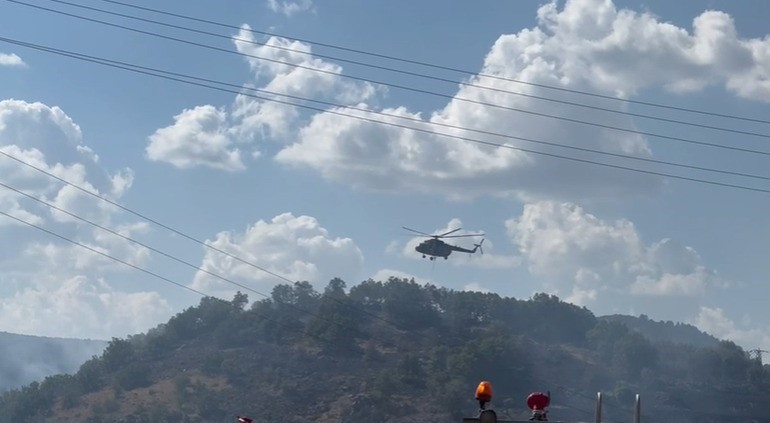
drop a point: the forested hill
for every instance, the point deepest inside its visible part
(24, 358)
(659, 331)
(393, 351)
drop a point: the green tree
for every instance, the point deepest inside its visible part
(335, 325)
(119, 353)
(634, 353)
(408, 305)
(239, 301)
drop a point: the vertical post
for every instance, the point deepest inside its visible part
(598, 418)
(637, 409)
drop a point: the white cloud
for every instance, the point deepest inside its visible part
(625, 49)
(594, 262)
(298, 248)
(714, 322)
(586, 45)
(487, 260)
(47, 286)
(289, 8)
(288, 68)
(11, 60)
(80, 307)
(475, 287)
(221, 138)
(45, 137)
(198, 137)
(70, 256)
(383, 275)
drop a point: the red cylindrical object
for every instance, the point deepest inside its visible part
(538, 401)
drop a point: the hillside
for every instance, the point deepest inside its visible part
(24, 358)
(393, 351)
(660, 331)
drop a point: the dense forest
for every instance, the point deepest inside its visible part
(394, 351)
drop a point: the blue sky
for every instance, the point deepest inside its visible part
(312, 195)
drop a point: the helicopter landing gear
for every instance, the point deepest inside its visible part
(432, 258)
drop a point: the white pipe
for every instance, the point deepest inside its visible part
(637, 409)
(598, 407)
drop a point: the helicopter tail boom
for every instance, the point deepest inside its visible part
(476, 247)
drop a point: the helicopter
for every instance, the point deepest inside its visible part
(435, 247)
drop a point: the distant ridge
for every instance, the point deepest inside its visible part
(55, 338)
(28, 358)
(665, 331)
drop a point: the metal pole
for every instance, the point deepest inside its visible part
(637, 409)
(598, 407)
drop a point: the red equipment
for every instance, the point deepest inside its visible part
(538, 402)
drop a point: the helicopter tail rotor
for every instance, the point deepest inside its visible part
(481, 250)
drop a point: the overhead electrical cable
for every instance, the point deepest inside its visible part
(167, 255)
(419, 90)
(357, 117)
(171, 229)
(432, 77)
(106, 62)
(154, 274)
(180, 233)
(164, 74)
(441, 67)
(101, 253)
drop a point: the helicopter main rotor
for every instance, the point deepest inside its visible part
(444, 235)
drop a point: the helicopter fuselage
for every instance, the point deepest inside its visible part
(437, 248)
(434, 247)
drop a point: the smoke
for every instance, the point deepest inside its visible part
(25, 359)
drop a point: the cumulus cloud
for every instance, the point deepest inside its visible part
(80, 307)
(79, 259)
(715, 322)
(287, 68)
(476, 287)
(222, 137)
(289, 8)
(11, 60)
(585, 45)
(383, 275)
(487, 260)
(198, 137)
(590, 261)
(625, 49)
(295, 247)
(50, 287)
(46, 138)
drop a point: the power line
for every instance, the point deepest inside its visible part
(432, 77)
(93, 250)
(487, 143)
(373, 315)
(435, 66)
(176, 231)
(497, 145)
(235, 257)
(251, 264)
(530, 112)
(151, 273)
(122, 65)
(167, 255)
